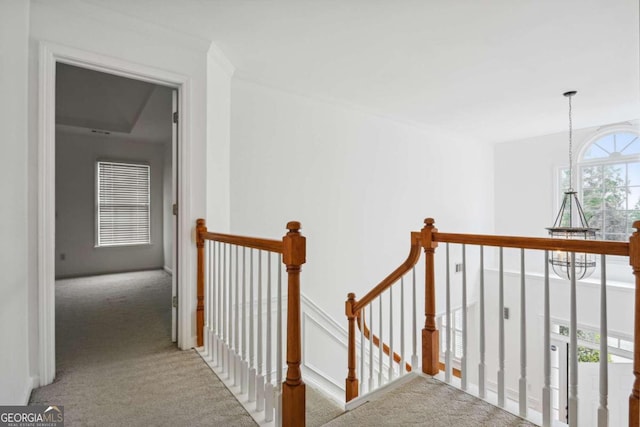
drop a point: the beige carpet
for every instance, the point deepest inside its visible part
(116, 365)
(428, 402)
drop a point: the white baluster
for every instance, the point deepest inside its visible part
(236, 326)
(522, 395)
(260, 393)
(482, 392)
(223, 335)
(361, 384)
(252, 369)
(219, 328)
(212, 331)
(245, 364)
(501, 333)
(463, 359)
(278, 399)
(573, 349)
(269, 404)
(380, 376)
(371, 347)
(546, 389)
(414, 324)
(230, 363)
(447, 351)
(269, 312)
(402, 364)
(390, 373)
(260, 376)
(207, 308)
(279, 361)
(603, 410)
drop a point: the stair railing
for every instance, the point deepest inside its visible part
(428, 239)
(237, 315)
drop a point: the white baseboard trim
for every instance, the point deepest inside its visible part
(168, 270)
(32, 382)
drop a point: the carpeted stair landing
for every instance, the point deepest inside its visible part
(425, 401)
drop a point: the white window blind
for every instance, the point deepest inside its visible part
(123, 204)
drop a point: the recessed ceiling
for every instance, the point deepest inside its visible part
(493, 70)
(88, 101)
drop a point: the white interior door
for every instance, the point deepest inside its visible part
(174, 223)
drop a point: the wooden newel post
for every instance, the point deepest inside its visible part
(352, 380)
(430, 337)
(200, 230)
(293, 389)
(634, 260)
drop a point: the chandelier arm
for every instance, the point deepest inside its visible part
(558, 221)
(583, 219)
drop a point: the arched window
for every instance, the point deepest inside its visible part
(609, 183)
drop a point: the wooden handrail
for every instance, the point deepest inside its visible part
(404, 268)
(540, 243)
(247, 242)
(293, 250)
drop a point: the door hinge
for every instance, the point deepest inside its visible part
(175, 117)
(174, 301)
(175, 209)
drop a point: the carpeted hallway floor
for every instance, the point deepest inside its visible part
(116, 364)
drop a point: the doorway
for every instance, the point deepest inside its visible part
(50, 56)
(116, 180)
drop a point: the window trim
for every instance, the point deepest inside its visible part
(97, 244)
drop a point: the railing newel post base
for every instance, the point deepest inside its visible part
(634, 410)
(352, 386)
(430, 351)
(293, 404)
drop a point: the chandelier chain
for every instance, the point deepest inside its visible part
(570, 147)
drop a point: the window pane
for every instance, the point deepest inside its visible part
(595, 152)
(592, 177)
(633, 173)
(628, 143)
(123, 197)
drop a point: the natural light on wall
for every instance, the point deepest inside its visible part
(123, 200)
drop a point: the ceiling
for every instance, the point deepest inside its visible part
(93, 103)
(491, 70)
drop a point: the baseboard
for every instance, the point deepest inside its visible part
(32, 382)
(168, 270)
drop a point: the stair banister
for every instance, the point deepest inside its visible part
(292, 248)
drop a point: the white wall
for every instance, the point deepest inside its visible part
(15, 384)
(76, 156)
(219, 73)
(359, 184)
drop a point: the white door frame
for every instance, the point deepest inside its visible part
(49, 55)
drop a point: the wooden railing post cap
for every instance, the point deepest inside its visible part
(636, 225)
(348, 305)
(294, 226)
(428, 222)
(200, 222)
(294, 251)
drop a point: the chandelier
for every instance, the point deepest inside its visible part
(571, 223)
